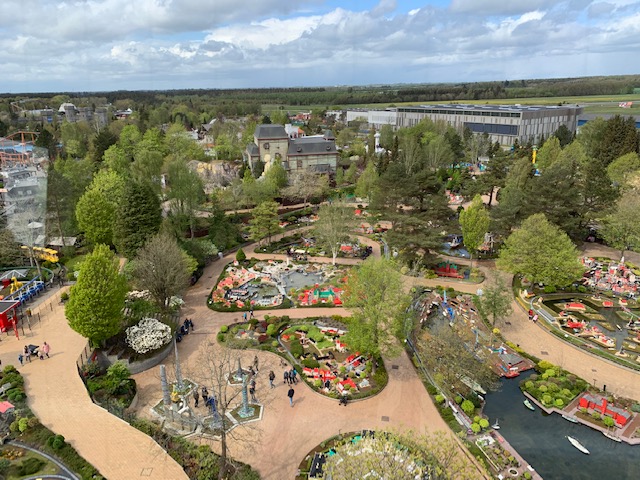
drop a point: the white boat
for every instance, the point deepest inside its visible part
(570, 418)
(578, 445)
(528, 404)
(495, 426)
(612, 437)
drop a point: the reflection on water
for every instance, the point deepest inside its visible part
(540, 439)
(295, 279)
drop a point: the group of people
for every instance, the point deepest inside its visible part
(205, 396)
(248, 316)
(32, 350)
(186, 326)
(291, 376)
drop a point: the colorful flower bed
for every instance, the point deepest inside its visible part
(321, 355)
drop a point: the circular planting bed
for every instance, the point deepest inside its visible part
(320, 352)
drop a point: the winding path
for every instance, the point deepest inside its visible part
(58, 397)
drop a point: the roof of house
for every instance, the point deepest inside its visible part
(253, 149)
(311, 146)
(5, 407)
(267, 131)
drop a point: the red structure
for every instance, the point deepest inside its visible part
(600, 404)
(446, 269)
(8, 314)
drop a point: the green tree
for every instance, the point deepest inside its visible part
(367, 181)
(138, 218)
(94, 309)
(474, 222)
(548, 153)
(161, 268)
(276, 175)
(10, 253)
(115, 158)
(264, 221)
(333, 225)
(622, 169)
(375, 296)
(541, 252)
(61, 204)
(185, 195)
(495, 302)
(620, 228)
(97, 208)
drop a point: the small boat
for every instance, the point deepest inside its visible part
(618, 327)
(570, 418)
(528, 404)
(612, 437)
(455, 242)
(578, 445)
(495, 426)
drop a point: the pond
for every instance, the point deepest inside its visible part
(298, 280)
(454, 252)
(540, 439)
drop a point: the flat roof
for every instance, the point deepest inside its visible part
(489, 108)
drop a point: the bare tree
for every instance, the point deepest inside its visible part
(217, 369)
(306, 184)
(161, 267)
(333, 225)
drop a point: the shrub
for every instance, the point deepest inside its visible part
(475, 428)
(596, 415)
(224, 329)
(477, 418)
(551, 372)
(240, 255)
(220, 337)
(635, 407)
(583, 410)
(468, 407)
(529, 385)
(440, 398)
(30, 466)
(64, 296)
(543, 365)
(484, 423)
(559, 403)
(431, 389)
(23, 424)
(458, 399)
(272, 329)
(4, 464)
(550, 289)
(608, 421)
(275, 344)
(527, 476)
(310, 363)
(543, 388)
(547, 399)
(56, 442)
(296, 349)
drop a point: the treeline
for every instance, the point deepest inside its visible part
(248, 101)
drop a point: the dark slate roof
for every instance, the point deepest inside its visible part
(264, 132)
(253, 149)
(311, 146)
(328, 135)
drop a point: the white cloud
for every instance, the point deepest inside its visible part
(120, 44)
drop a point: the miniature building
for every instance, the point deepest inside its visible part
(600, 404)
(8, 314)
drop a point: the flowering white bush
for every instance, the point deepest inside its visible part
(176, 302)
(149, 334)
(139, 295)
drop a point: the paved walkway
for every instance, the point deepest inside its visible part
(285, 435)
(59, 399)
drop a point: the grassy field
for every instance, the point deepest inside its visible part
(605, 104)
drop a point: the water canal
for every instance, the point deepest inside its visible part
(540, 439)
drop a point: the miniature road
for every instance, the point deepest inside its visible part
(59, 399)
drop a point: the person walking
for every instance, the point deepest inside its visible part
(21, 359)
(272, 377)
(46, 349)
(290, 394)
(27, 353)
(255, 363)
(244, 315)
(292, 375)
(286, 377)
(252, 392)
(196, 396)
(205, 394)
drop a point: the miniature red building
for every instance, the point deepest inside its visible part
(600, 404)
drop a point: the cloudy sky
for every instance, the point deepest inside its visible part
(97, 45)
